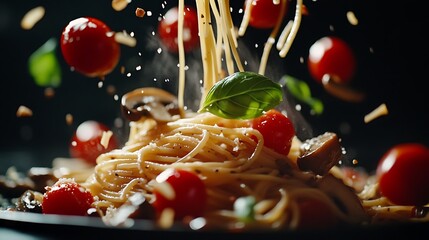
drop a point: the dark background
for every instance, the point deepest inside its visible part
(389, 43)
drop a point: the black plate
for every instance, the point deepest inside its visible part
(40, 226)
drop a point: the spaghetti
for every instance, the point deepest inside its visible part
(225, 154)
(229, 155)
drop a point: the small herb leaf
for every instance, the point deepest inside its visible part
(301, 91)
(242, 95)
(44, 66)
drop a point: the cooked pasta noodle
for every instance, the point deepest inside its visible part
(229, 155)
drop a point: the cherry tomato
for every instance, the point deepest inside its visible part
(88, 45)
(67, 197)
(314, 214)
(333, 56)
(168, 29)
(86, 141)
(276, 129)
(189, 193)
(264, 13)
(402, 173)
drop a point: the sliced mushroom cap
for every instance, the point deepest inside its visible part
(320, 154)
(149, 102)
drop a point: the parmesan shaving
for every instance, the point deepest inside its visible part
(351, 17)
(32, 17)
(378, 112)
(24, 111)
(119, 5)
(69, 119)
(125, 39)
(166, 219)
(106, 138)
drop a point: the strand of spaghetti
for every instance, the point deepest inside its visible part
(227, 25)
(278, 210)
(219, 46)
(283, 35)
(232, 29)
(181, 87)
(203, 14)
(125, 192)
(246, 18)
(198, 148)
(271, 38)
(294, 30)
(314, 193)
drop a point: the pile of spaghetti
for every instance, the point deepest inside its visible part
(246, 184)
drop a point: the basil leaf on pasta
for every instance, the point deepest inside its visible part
(242, 95)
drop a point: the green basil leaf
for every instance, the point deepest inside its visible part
(44, 66)
(301, 91)
(244, 208)
(242, 95)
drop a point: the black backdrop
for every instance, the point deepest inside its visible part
(389, 44)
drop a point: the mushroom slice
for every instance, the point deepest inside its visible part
(320, 154)
(149, 102)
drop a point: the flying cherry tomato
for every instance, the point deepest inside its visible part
(88, 46)
(264, 13)
(86, 141)
(402, 174)
(67, 197)
(331, 56)
(168, 29)
(188, 193)
(277, 130)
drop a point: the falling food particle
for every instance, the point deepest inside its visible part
(69, 119)
(379, 111)
(32, 17)
(140, 12)
(125, 39)
(106, 138)
(111, 89)
(341, 91)
(352, 18)
(24, 111)
(49, 92)
(119, 5)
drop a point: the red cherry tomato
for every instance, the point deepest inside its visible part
(332, 56)
(168, 29)
(314, 214)
(264, 13)
(67, 198)
(189, 193)
(276, 129)
(403, 174)
(88, 45)
(86, 141)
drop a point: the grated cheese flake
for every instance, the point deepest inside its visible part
(351, 17)
(24, 111)
(106, 138)
(125, 39)
(69, 119)
(32, 17)
(379, 111)
(119, 5)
